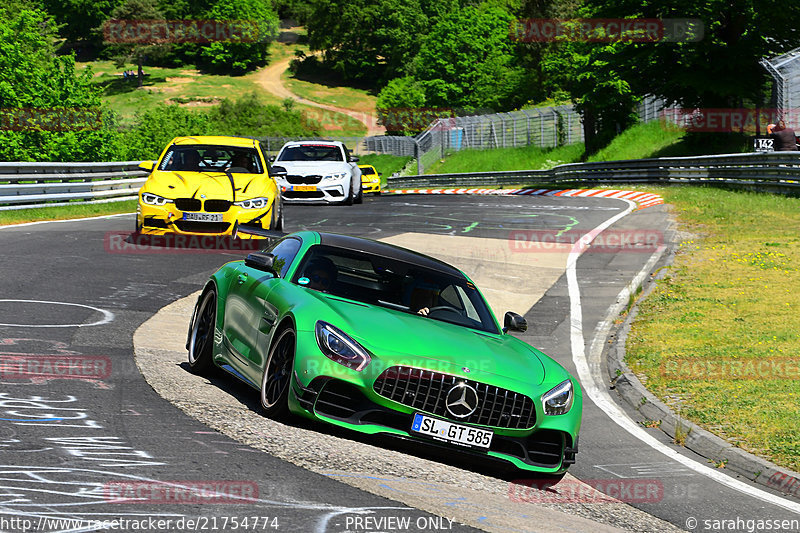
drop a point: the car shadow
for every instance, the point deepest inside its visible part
(450, 456)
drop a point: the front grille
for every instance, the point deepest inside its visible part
(217, 206)
(303, 180)
(303, 194)
(202, 227)
(427, 391)
(188, 204)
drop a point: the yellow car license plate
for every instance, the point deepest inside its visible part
(305, 187)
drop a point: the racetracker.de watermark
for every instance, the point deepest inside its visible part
(125, 242)
(607, 30)
(586, 491)
(609, 241)
(181, 492)
(24, 366)
(50, 119)
(118, 31)
(752, 368)
(724, 120)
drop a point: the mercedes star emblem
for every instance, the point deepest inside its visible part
(462, 400)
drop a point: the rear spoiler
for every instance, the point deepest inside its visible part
(257, 231)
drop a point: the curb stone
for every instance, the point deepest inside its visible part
(698, 440)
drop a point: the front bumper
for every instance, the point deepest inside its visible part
(371, 186)
(346, 398)
(335, 192)
(166, 219)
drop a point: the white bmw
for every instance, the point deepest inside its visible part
(319, 172)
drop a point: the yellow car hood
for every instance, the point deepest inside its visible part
(216, 185)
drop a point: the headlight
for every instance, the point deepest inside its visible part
(339, 176)
(558, 400)
(340, 348)
(153, 199)
(255, 203)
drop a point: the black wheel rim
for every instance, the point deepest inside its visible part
(278, 371)
(204, 325)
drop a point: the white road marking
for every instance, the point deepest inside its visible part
(108, 316)
(592, 381)
(65, 220)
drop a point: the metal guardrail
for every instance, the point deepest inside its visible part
(31, 185)
(753, 169)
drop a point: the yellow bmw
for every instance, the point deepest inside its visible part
(208, 186)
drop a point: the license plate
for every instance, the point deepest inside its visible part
(203, 217)
(305, 187)
(450, 432)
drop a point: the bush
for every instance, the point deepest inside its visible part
(156, 127)
(248, 116)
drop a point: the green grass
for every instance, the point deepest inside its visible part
(653, 139)
(525, 158)
(77, 210)
(324, 90)
(731, 295)
(385, 164)
(642, 141)
(188, 87)
(183, 86)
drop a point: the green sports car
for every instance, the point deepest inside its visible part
(382, 340)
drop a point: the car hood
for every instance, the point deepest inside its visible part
(314, 167)
(401, 338)
(217, 185)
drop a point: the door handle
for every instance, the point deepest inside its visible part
(242, 278)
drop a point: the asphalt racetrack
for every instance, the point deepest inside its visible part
(98, 443)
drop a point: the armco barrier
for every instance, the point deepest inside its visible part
(30, 185)
(779, 170)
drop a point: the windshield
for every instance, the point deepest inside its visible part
(311, 152)
(394, 284)
(202, 158)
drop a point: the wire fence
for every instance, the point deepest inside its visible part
(546, 127)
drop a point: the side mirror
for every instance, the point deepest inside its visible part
(514, 322)
(278, 171)
(147, 166)
(271, 159)
(354, 159)
(261, 261)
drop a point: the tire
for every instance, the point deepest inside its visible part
(349, 198)
(276, 220)
(360, 197)
(201, 334)
(279, 225)
(277, 377)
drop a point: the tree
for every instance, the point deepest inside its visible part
(134, 50)
(468, 61)
(369, 39)
(399, 106)
(243, 52)
(79, 18)
(47, 110)
(718, 70)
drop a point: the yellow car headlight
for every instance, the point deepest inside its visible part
(253, 203)
(154, 199)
